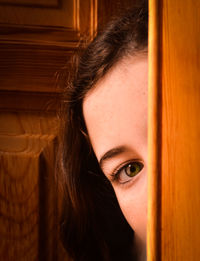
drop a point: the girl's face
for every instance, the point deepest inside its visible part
(115, 112)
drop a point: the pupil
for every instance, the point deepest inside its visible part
(132, 168)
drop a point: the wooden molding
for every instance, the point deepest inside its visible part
(154, 132)
(32, 53)
(62, 27)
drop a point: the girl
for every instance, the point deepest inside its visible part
(104, 145)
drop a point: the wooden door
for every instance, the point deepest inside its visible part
(37, 38)
(174, 130)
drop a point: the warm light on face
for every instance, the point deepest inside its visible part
(115, 113)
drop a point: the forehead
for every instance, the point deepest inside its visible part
(115, 110)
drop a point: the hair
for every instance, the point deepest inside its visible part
(93, 226)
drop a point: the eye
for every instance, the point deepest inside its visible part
(125, 173)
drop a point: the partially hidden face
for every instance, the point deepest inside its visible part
(115, 112)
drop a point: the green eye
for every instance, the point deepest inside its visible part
(133, 168)
(127, 172)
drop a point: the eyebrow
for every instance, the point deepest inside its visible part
(111, 154)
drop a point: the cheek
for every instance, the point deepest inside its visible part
(133, 203)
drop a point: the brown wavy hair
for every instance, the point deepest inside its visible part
(92, 226)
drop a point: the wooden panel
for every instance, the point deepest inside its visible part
(18, 207)
(175, 84)
(37, 39)
(62, 24)
(37, 42)
(28, 192)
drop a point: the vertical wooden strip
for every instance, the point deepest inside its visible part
(93, 18)
(154, 133)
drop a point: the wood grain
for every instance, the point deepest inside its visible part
(31, 3)
(109, 9)
(176, 47)
(46, 13)
(31, 68)
(64, 24)
(29, 196)
(28, 192)
(26, 101)
(37, 42)
(181, 131)
(154, 134)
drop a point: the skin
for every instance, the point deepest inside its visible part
(115, 113)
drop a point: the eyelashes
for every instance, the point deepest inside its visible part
(126, 172)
